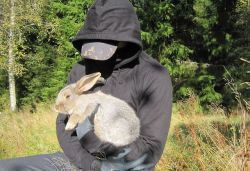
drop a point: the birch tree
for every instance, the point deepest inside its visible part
(7, 45)
(11, 57)
(15, 15)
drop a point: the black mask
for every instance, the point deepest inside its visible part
(104, 67)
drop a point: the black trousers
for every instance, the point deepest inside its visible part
(46, 162)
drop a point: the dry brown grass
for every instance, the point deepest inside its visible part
(203, 142)
(195, 142)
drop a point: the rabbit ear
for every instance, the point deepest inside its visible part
(87, 82)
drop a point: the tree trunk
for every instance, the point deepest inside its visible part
(12, 58)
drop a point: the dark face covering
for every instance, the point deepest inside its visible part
(108, 66)
(104, 67)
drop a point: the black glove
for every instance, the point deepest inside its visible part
(118, 163)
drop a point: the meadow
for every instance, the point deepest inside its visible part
(197, 140)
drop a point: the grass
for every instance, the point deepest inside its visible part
(203, 142)
(196, 141)
(25, 133)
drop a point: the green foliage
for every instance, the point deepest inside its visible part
(205, 14)
(44, 53)
(183, 36)
(156, 27)
(194, 39)
(237, 70)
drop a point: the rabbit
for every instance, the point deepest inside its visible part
(115, 121)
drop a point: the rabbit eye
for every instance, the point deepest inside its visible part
(67, 96)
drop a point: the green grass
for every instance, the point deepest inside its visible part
(196, 141)
(25, 133)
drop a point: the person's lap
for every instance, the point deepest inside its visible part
(45, 162)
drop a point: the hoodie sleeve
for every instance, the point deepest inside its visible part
(68, 140)
(154, 110)
(71, 146)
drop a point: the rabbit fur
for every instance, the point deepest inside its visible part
(114, 122)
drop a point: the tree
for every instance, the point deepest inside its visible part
(15, 15)
(7, 34)
(11, 57)
(240, 52)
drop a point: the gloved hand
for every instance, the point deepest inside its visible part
(118, 163)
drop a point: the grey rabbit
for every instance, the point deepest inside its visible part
(115, 121)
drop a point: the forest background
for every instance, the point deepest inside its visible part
(204, 44)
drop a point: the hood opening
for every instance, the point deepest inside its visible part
(112, 20)
(125, 57)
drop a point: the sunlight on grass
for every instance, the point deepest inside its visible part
(196, 141)
(202, 142)
(26, 133)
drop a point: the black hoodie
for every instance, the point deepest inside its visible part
(131, 75)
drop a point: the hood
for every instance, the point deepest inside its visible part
(111, 20)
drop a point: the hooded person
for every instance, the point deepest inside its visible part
(110, 43)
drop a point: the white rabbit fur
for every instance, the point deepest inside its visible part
(114, 122)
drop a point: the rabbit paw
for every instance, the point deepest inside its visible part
(70, 126)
